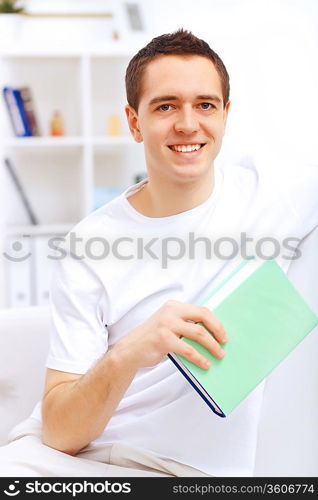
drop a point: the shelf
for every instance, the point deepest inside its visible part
(105, 50)
(40, 142)
(123, 140)
(61, 175)
(61, 142)
(37, 230)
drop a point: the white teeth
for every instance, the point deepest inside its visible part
(186, 148)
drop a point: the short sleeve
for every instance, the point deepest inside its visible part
(79, 334)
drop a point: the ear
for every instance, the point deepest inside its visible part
(133, 123)
(225, 113)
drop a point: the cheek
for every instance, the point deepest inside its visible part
(152, 145)
(150, 130)
(155, 136)
(217, 130)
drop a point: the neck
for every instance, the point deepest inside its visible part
(160, 198)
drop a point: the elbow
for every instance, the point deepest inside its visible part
(61, 445)
(51, 443)
(53, 434)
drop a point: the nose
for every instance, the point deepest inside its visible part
(186, 121)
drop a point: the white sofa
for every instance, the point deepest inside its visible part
(288, 432)
(24, 343)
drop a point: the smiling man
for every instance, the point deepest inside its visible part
(180, 116)
(114, 404)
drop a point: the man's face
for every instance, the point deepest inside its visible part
(181, 117)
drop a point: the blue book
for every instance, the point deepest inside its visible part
(14, 112)
(23, 113)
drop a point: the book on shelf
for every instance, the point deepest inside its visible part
(265, 318)
(32, 217)
(28, 102)
(22, 111)
(14, 112)
(20, 106)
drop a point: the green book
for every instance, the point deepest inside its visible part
(265, 318)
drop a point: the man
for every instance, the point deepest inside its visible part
(114, 404)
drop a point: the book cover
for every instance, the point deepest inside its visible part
(23, 113)
(265, 318)
(28, 102)
(14, 112)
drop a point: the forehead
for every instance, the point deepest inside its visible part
(182, 74)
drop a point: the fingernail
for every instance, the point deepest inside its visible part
(221, 352)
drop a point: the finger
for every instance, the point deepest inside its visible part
(201, 314)
(199, 333)
(191, 354)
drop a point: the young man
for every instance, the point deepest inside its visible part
(114, 404)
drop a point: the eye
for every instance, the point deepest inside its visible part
(164, 107)
(206, 105)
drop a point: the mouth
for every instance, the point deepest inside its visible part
(186, 148)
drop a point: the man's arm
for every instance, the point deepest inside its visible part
(77, 408)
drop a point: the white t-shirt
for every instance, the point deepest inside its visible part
(124, 271)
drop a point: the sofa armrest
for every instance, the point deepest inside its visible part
(24, 343)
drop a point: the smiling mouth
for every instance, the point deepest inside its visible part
(186, 148)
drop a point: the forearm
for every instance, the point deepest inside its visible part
(75, 413)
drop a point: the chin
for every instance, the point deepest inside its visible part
(191, 173)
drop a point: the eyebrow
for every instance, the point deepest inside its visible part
(207, 97)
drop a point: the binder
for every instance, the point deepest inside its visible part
(19, 271)
(265, 318)
(43, 270)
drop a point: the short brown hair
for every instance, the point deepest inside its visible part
(181, 42)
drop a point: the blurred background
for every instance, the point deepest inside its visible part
(65, 150)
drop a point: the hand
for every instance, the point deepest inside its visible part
(161, 333)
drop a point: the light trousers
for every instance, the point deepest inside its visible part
(26, 456)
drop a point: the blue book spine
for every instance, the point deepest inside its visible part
(14, 112)
(19, 100)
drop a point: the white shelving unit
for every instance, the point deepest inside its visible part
(59, 174)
